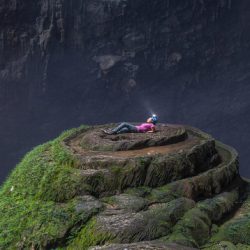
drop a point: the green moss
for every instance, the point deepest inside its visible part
(237, 229)
(193, 229)
(61, 181)
(242, 247)
(225, 245)
(162, 194)
(24, 179)
(141, 191)
(90, 235)
(60, 184)
(39, 207)
(29, 222)
(43, 160)
(110, 200)
(44, 173)
(180, 239)
(221, 245)
(98, 183)
(129, 175)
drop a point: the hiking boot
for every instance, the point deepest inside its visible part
(108, 132)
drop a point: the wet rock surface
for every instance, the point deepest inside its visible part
(98, 141)
(153, 245)
(179, 185)
(172, 196)
(61, 66)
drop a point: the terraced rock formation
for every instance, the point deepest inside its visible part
(59, 59)
(177, 188)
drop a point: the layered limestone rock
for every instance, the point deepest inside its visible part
(115, 39)
(173, 189)
(183, 58)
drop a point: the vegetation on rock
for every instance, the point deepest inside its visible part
(184, 195)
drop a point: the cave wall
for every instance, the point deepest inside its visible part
(67, 62)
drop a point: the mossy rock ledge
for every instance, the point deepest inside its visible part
(178, 188)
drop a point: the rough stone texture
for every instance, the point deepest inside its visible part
(153, 223)
(154, 166)
(212, 191)
(154, 245)
(96, 140)
(52, 28)
(176, 197)
(186, 60)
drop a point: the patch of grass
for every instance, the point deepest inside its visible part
(89, 236)
(29, 222)
(163, 194)
(24, 179)
(192, 229)
(221, 245)
(242, 247)
(60, 184)
(30, 216)
(28, 175)
(237, 230)
(141, 191)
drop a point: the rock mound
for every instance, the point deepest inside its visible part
(87, 190)
(96, 140)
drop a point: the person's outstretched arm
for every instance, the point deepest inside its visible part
(152, 130)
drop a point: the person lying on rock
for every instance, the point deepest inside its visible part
(125, 127)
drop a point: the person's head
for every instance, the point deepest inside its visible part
(153, 119)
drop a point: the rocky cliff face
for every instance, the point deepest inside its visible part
(177, 188)
(66, 62)
(115, 41)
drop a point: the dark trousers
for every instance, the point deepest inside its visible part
(125, 128)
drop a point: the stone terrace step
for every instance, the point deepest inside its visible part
(157, 193)
(96, 140)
